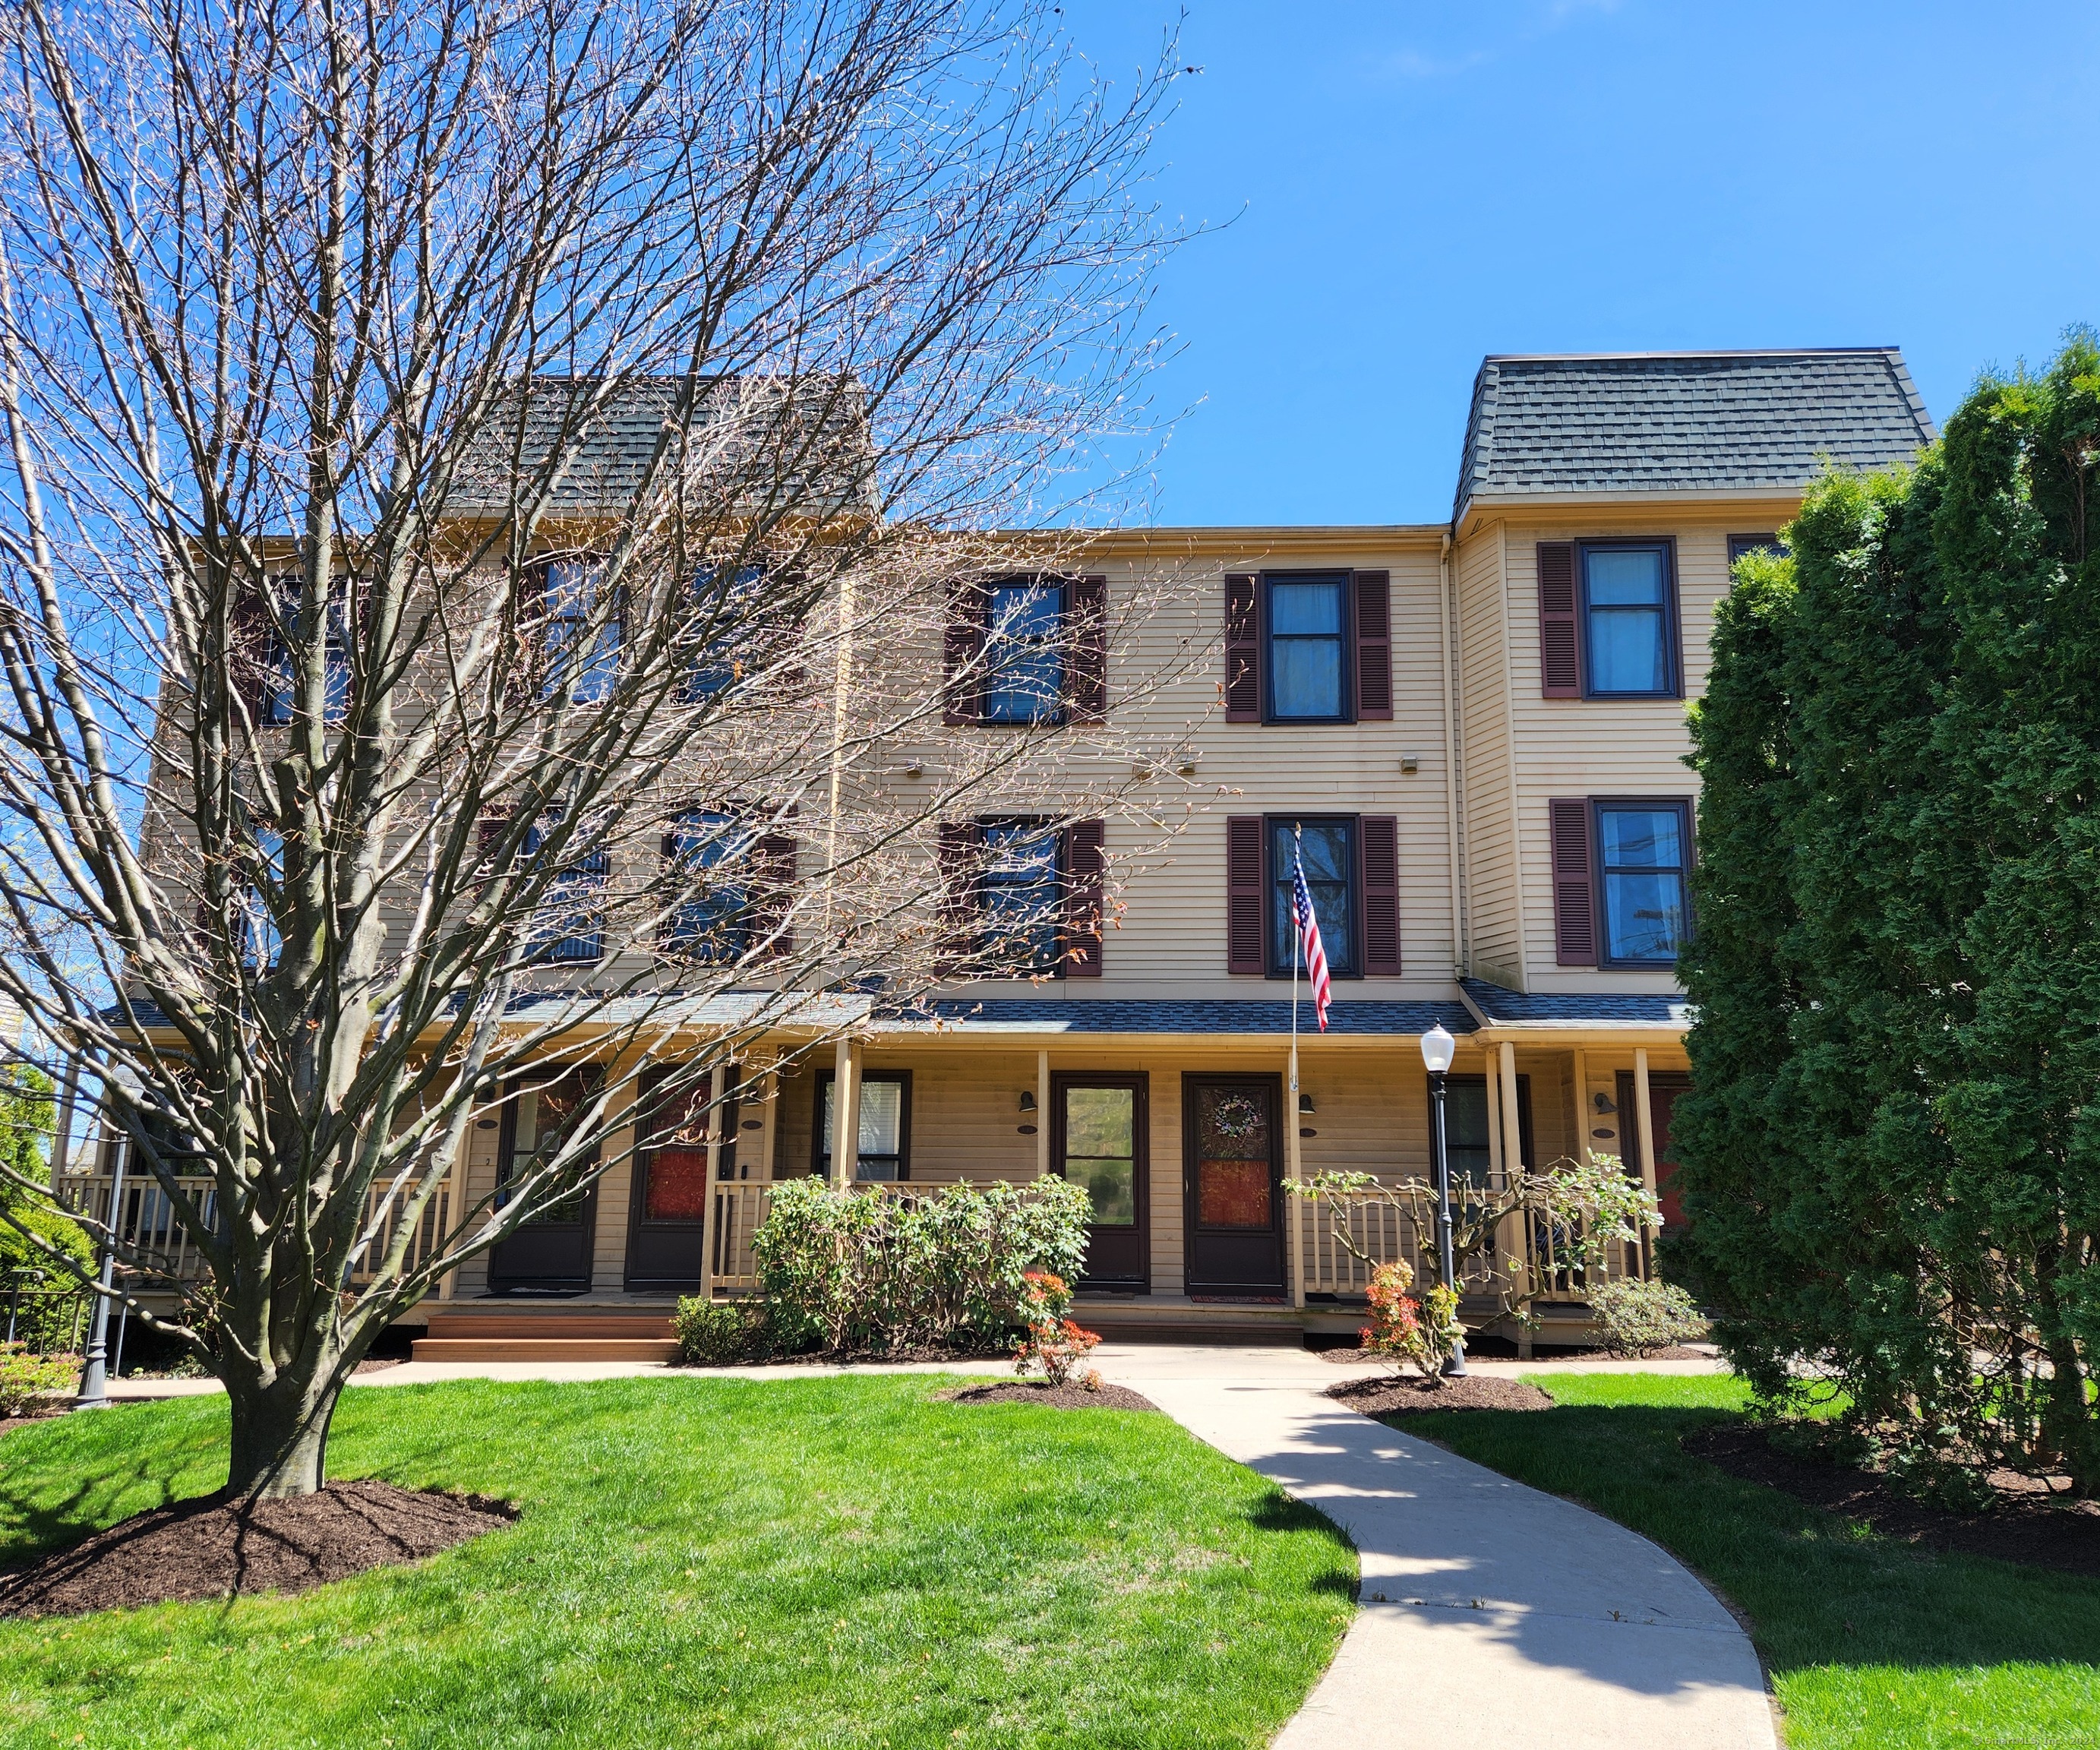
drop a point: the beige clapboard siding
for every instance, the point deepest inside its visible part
(1595, 747)
(1494, 949)
(1171, 935)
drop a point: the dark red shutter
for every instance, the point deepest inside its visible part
(962, 655)
(253, 642)
(773, 892)
(1244, 897)
(1574, 886)
(1085, 895)
(1087, 655)
(1242, 651)
(1559, 627)
(1373, 647)
(958, 899)
(1378, 851)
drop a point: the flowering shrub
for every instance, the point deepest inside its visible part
(854, 1268)
(1405, 1329)
(1636, 1318)
(1055, 1343)
(28, 1381)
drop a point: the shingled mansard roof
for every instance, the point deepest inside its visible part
(1548, 425)
(815, 428)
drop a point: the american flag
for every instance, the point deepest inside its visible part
(1308, 937)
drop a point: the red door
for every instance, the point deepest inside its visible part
(1662, 1092)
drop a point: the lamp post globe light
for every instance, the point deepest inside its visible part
(1438, 1047)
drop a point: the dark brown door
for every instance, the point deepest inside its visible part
(552, 1252)
(1097, 1133)
(1232, 1165)
(668, 1220)
(1663, 1089)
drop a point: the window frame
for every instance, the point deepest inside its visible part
(1527, 1148)
(694, 685)
(1345, 640)
(1741, 546)
(674, 944)
(552, 689)
(594, 867)
(1275, 956)
(1673, 632)
(820, 1159)
(1600, 806)
(280, 704)
(1060, 883)
(1059, 641)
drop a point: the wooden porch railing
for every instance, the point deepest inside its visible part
(147, 1228)
(1551, 1261)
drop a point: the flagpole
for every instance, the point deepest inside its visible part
(1290, 1214)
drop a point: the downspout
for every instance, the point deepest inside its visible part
(1462, 946)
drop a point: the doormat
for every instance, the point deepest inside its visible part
(1237, 1300)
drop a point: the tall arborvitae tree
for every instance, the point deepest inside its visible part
(1890, 1163)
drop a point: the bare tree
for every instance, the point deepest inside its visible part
(488, 482)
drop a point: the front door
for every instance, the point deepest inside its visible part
(1097, 1131)
(668, 1227)
(1663, 1089)
(551, 1252)
(1232, 1165)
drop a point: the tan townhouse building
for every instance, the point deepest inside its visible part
(1472, 733)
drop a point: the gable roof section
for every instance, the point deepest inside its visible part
(1549, 424)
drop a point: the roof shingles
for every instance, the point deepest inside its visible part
(1651, 422)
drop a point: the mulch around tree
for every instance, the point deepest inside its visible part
(1042, 1393)
(2029, 1525)
(1410, 1395)
(1356, 1357)
(208, 1548)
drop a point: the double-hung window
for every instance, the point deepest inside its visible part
(1643, 855)
(1629, 619)
(280, 689)
(1741, 544)
(261, 941)
(1024, 657)
(569, 926)
(1020, 896)
(1328, 849)
(582, 632)
(709, 856)
(726, 623)
(885, 1154)
(1308, 659)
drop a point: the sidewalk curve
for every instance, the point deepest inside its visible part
(1486, 1607)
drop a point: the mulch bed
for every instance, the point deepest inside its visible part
(1353, 1357)
(1408, 1395)
(1042, 1392)
(2029, 1525)
(207, 1548)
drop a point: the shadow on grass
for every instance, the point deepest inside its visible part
(1819, 1589)
(1275, 1511)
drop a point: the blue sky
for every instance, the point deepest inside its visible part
(1412, 185)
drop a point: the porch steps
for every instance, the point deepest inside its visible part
(1172, 1319)
(553, 1333)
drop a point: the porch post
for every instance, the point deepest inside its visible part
(1494, 1105)
(707, 1223)
(1043, 1114)
(1582, 1073)
(62, 1136)
(768, 1095)
(1293, 1156)
(1640, 1118)
(845, 1112)
(1512, 1128)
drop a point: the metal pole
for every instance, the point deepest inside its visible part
(1454, 1365)
(94, 1367)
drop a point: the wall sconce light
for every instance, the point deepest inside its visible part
(1305, 1104)
(1605, 1103)
(1027, 1100)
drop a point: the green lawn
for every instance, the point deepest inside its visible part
(827, 1562)
(1872, 1644)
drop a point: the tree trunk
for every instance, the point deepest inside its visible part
(280, 1433)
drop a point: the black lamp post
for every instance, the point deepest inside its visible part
(94, 1365)
(1437, 1049)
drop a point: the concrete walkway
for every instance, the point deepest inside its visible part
(1486, 1607)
